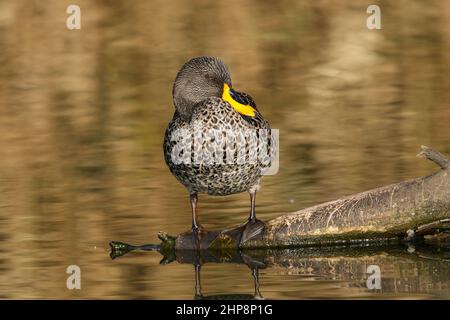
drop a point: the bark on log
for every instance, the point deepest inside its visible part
(390, 213)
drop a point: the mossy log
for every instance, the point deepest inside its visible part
(404, 210)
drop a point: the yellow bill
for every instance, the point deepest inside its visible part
(230, 96)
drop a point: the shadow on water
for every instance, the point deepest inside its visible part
(412, 269)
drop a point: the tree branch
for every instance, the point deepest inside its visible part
(434, 156)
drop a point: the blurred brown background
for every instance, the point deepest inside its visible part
(83, 113)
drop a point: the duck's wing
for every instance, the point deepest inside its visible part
(256, 121)
(259, 122)
(245, 99)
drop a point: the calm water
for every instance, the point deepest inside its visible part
(83, 113)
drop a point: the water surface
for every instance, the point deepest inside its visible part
(83, 113)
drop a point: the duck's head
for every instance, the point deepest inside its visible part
(199, 79)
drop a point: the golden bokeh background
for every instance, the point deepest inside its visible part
(83, 114)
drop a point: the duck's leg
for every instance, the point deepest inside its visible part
(195, 224)
(198, 284)
(255, 274)
(197, 229)
(252, 216)
(253, 227)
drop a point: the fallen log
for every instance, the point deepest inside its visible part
(392, 213)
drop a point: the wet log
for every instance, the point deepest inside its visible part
(405, 210)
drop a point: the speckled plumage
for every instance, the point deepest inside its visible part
(217, 179)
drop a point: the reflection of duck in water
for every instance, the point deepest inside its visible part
(196, 258)
(350, 265)
(205, 101)
(239, 296)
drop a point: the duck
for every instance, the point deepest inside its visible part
(217, 143)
